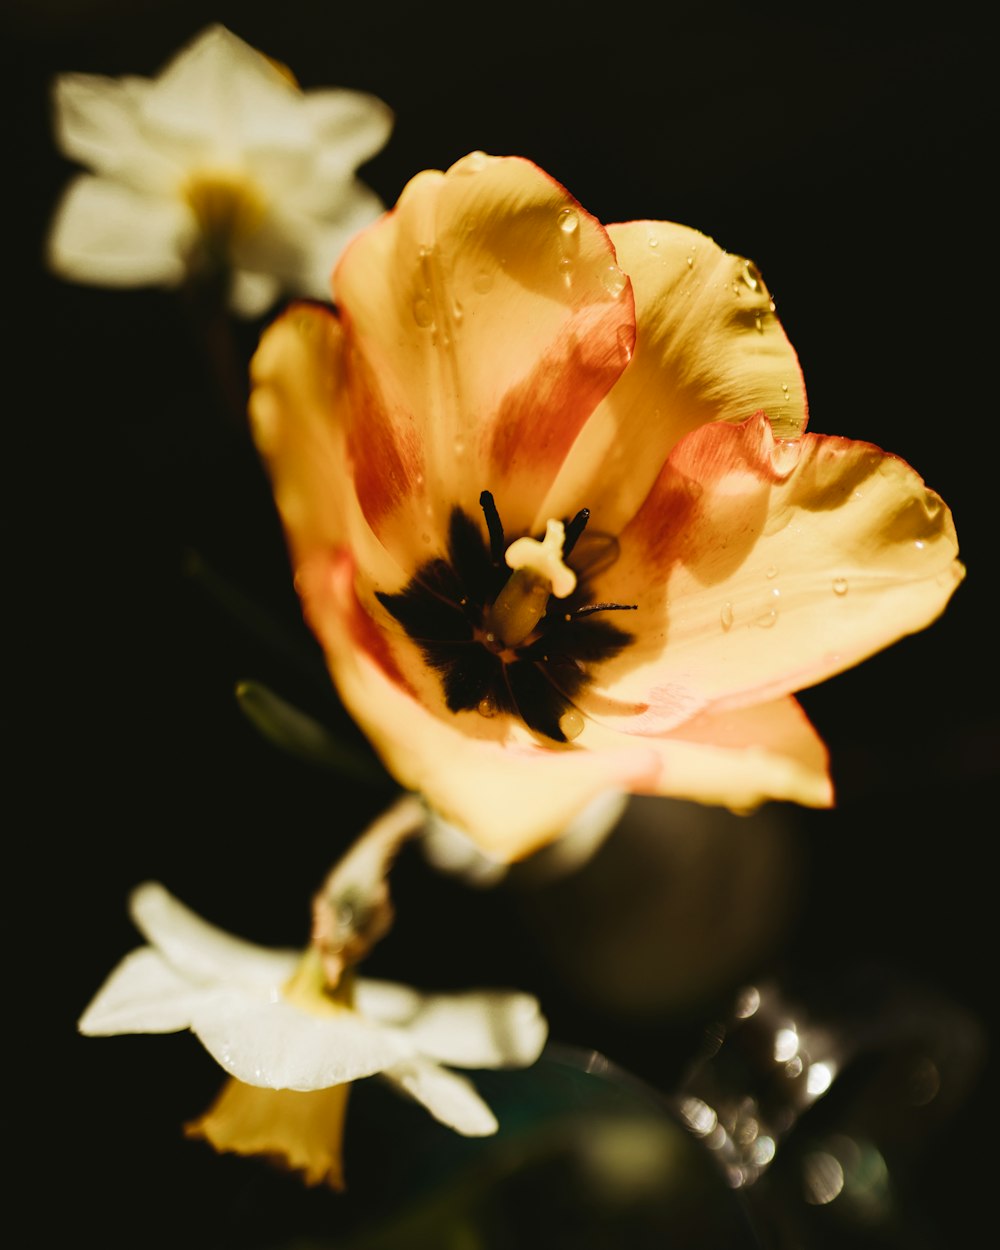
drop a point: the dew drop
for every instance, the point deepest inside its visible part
(566, 269)
(626, 341)
(751, 275)
(840, 585)
(486, 707)
(423, 313)
(758, 323)
(920, 544)
(569, 222)
(613, 281)
(768, 619)
(457, 311)
(726, 616)
(483, 281)
(785, 455)
(771, 571)
(772, 305)
(653, 241)
(571, 723)
(471, 164)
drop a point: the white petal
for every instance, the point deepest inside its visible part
(300, 248)
(108, 234)
(96, 122)
(450, 1098)
(282, 1047)
(478, 1029)
(252, 294)
(449, 849)
(203, 953)
(350, 126)
(221, 96)
(584, 837)
(142, 995)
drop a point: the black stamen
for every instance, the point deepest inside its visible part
(574, 530)
(495, 526)
(605, 607)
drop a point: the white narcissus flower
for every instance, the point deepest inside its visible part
(292, 1048)
(221, 160)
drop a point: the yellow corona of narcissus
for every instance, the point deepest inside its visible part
(555, 516)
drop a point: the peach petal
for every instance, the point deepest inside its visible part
(709, 348)
(296, 414)
(486, 317)
(761, 569)
(739, 758)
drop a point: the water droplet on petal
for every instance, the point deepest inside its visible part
(471, 164)
(751, 275)
(613, 281)
(423, 313)
(653, 241)
(920, 544)
(483, 281)
(840, 585)
(768, 619)
(569, 222)
(571, 723)
(457, 311)
(785, 455)
(771, 571)
(486, 707)
(626, 341)
(758, 323)
(566, 269)
(726, 616)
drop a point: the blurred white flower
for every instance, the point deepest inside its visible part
(292, 1047)
(220, 162)
(449, 849)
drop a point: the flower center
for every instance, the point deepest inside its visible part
(538, 573)
(228, 206)
(513, 628)
(309, 990)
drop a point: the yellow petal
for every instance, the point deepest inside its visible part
(487, 318)
(709, 348)
(297, 421)
(302, 1131)
(745, 756)
(760, 569)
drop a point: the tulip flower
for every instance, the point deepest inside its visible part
(555, 516)
(219, 163)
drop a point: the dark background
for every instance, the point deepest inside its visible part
(847, 153)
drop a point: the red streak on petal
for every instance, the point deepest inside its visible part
(386, 456)
(538, 420)
(333, 609)
(711, 495)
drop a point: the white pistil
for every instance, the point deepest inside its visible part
(539, 572)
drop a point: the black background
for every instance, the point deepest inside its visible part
(845, 151)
